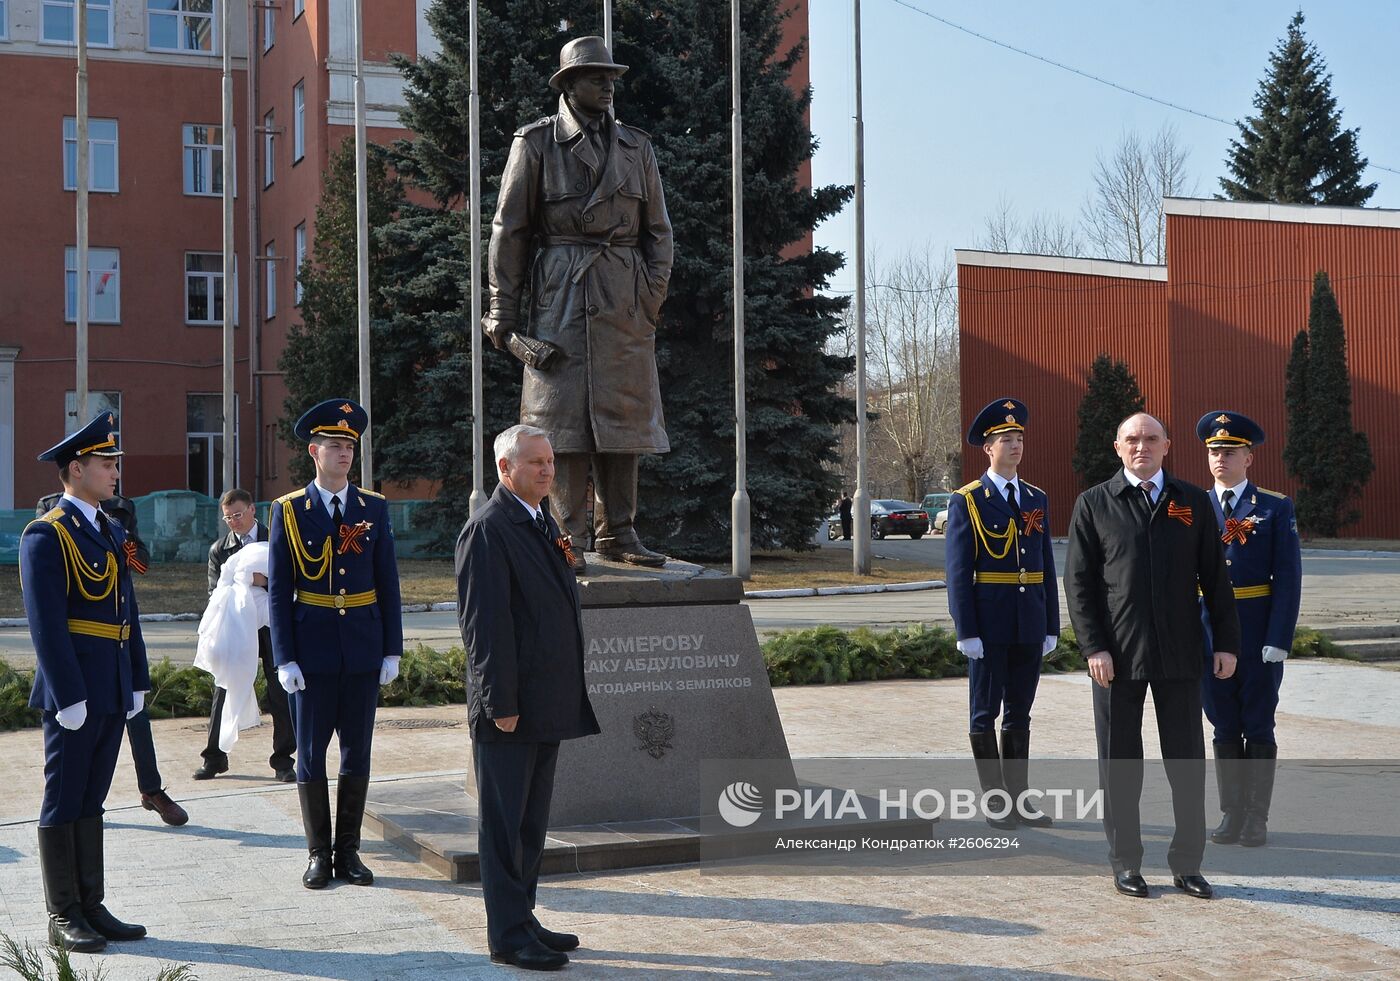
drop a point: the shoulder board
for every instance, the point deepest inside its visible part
(529, 127)
(370, 493)
(1032, 486)
(56, 514)
(1271, 493)
(967, 487)
(291, 497)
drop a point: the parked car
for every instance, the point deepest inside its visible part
(897, 518)
(940, 522)
(933, 503)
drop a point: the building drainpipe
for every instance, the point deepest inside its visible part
(255, 248)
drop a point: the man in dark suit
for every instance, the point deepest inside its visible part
(91, 678)
(137, 559)
(337, 631)
(843, 508)
(244, 528)
(1142, 548)
(518, 606)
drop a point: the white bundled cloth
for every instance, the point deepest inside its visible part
(228, 639)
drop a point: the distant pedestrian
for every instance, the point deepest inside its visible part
(844, 509)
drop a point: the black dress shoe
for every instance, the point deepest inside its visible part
(349, 868)
(74, 933)
(285, 776)
(110, 927)
(1193, 885)
(534, 956)
(318, 870)
(1130, 883)
(561, 942)
(170, 812)
(210, 770)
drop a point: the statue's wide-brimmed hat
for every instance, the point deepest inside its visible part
(582, 53)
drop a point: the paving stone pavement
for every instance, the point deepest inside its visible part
(224, 893)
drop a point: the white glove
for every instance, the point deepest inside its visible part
(73, 716)
(1052, 641)
(389, 670)
(1274, 655)
(290, 677)
(971, 648)
(138, 702)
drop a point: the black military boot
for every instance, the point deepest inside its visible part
(349, 814)
(984, 752)
(57, 863)
(1229, 782)
(1015, 763)
(1259, 762)
(87, 843)
(316, 820)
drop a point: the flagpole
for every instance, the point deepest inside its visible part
(230, 409)
(362, 248)
(80, 183)
(860, 547)
(741, 543)
(478, 496)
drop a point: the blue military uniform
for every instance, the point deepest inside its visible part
(334, 611)
(85, 625)
(1264, 557)
(1001, 592)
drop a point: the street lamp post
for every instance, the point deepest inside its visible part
(860, 548)
(740, 542)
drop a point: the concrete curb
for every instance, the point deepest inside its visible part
(893, 587)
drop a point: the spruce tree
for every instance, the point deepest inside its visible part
(1339, 460)
(1112, 395)
(677, 89)
(320, 360)
(1297, 445)
(1294, 150)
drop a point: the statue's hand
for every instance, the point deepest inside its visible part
(497, 332)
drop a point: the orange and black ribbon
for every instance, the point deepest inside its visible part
(350, 536)
(1236, 530)
(132, 562)
(1035, 520)
(565, 544)
(1181, 514)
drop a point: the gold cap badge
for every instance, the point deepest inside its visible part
(1222, 418)
(1008, 405)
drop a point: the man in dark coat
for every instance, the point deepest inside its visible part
(518, 606)
(843, 508)
(137, 559)
(580, 259)
(244, 528)
(1142, 548)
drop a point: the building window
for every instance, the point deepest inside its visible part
(104, 285)
(298, 8)
(4, 21)
(181, 25)
(204, 288)
(299, 121)
(270, 279)
(269, 148)
(60, 20)
(300, 257)
(102, 154)
(204, 159)
(204, 442)
(269, 27)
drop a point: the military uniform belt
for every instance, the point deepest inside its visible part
(1251, 592)
(1021, 578)
(338, 601)
(107, 631)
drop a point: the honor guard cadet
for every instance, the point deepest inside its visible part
(1001, 593)
(337, 631)
(1265, 563)
(91, 678)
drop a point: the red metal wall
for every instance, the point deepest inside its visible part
(1032, 334)
(1239, 290)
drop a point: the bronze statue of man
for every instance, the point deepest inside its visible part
(579, 263)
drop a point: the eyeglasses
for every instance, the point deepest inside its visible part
(229, 519)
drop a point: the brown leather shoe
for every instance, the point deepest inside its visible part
(170, 812)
